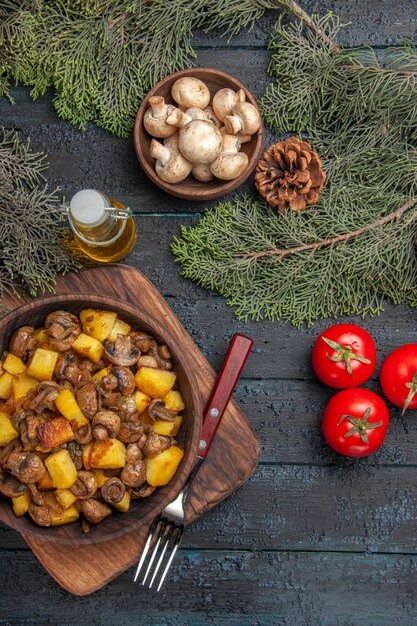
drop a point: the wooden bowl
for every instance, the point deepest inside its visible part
(190, 188)
(141, 511)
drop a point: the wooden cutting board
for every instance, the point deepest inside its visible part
(231, 461)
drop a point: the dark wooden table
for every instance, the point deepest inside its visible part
(312, 538)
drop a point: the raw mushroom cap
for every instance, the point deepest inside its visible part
(190, 92)
(200, 141)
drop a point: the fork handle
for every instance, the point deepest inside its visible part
(233, 363)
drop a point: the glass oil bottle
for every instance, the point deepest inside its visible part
(103, 229)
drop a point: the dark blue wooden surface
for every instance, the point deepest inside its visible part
(312, 539)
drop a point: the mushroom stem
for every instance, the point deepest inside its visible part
(160, 153)
(179, 118)
(158, 106)
(233, 124)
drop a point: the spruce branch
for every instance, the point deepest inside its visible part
(394, 216)
(32, 232)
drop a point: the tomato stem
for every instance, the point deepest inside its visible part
(344, 353)
(412, 386)
(360, 425)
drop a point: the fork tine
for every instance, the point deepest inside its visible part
(170, 531)
(174, 550)
(159, 535)
(146, 548)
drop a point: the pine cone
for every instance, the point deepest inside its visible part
(290, 174)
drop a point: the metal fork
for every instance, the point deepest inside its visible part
(168, 528)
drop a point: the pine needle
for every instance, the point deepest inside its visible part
(32, 249)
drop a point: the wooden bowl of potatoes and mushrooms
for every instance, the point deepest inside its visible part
(198, 134)
(80, 421)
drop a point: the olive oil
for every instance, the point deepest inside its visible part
(103, 229)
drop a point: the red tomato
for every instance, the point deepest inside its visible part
(399, 376)
(344, 356)
(355, 422)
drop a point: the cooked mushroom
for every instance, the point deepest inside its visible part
(130, 431)
(127, 408)
(11, 487)
(125, 380)
(6, 451)
(141, 492)
(41, 515)
(113, 490)
(155, 444)
(76, 375)
(36, 495)
(245, 118)
(230, 163)
(158, 411)
(87, 400)
(122, 351)
(32, 423)
(112, 401)
(106, 424)
(134, 474)
(202, 172)
(84, 434)
(147, 361)
(225, 100)
(170, 165)
(163, 363)
(155, 118)
(94, 511)
(85, 486)
(26, 466)
(200, 141)
(64, 359)
(190, 92)
(22, 341)
(46, 392)
(133, 453)
(63, 328)
(141, 340)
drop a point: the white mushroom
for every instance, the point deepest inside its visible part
(200, 141)
(202, 172)
(230, 163)
(178, 118)
(170, 165)
(155, 118)
(225, 100)
(211, 116)
(242, 138)
(245, 118)
(190, 92)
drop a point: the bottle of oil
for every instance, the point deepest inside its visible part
(103, 228)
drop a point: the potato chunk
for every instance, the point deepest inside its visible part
(142, 401)
(154, 382)
(170, 429)
(119, 328)
(124, 505)
(67, 516)
(107, 454)
(97, 324)
(43, 364)
(65, 497)
(20, 504)
(89, 347)
(100, 477)
(41, 336)
(67, 404)
(54, 433)
(162, 467)
(173, 400)
(7, 430)
(21, 384)
(62, 469)
(13, 364)
(6, 386)
(45, 483)
(100, 374)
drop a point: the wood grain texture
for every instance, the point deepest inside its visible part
(190, 188)
(91, 565)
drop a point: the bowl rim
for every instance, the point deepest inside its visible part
(182, 473)
(178, 190)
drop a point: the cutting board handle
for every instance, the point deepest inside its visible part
(233, 364)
